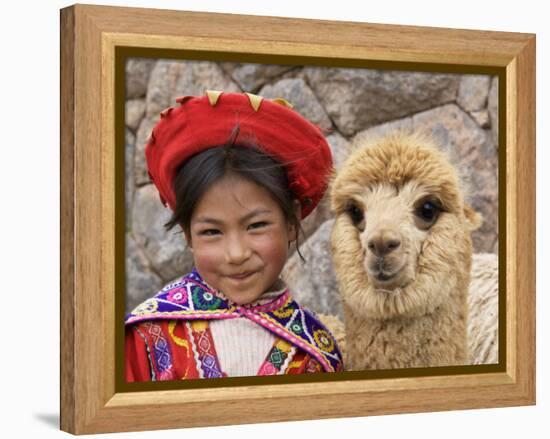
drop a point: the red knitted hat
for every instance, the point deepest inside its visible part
(202, 122)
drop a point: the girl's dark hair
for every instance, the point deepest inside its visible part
(248, 160)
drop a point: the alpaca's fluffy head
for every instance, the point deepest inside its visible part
(401, 239)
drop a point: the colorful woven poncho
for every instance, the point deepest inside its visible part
(168, 336)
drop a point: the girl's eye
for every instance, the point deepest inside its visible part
(257, 225)
(209, 232)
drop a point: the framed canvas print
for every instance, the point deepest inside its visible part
(410, 161)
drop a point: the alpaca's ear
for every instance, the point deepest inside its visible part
(473, 218)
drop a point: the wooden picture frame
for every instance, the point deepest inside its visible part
(92, 398)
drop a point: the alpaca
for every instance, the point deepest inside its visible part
(402, 255)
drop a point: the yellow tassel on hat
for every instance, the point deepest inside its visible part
(213, 96)
(255, 100)
(283, 102)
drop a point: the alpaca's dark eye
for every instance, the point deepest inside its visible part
(356, 215)
(426, 212)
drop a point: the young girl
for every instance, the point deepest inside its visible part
(238, 173)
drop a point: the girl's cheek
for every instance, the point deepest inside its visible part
(274, 245)
(207, 254)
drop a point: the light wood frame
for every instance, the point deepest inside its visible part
(90, 35)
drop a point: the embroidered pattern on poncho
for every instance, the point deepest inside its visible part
(190, 298)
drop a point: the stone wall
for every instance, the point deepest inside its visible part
(459, 111)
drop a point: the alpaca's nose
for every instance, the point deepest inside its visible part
(384, 242)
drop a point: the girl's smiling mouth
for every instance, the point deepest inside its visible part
(242, 276)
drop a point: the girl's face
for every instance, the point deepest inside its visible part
(240, 238)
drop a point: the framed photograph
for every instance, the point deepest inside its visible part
(471, 92)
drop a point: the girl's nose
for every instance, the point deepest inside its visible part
(237, 250)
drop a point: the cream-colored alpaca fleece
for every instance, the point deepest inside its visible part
(483, 310)
(482, 313)
(420, 319)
